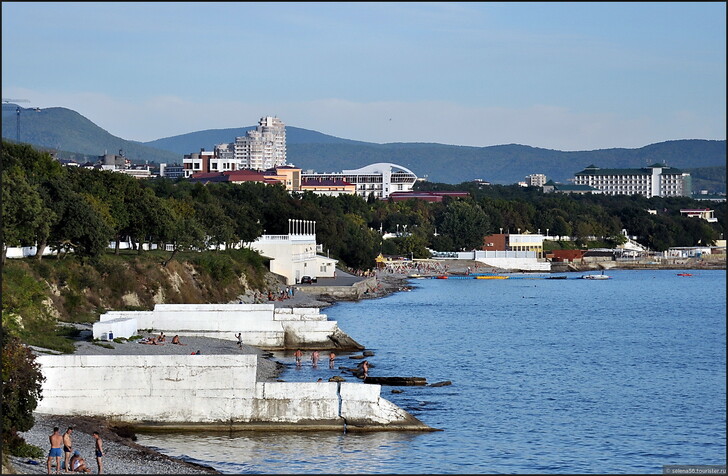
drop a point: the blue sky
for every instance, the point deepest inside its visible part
(566, 76)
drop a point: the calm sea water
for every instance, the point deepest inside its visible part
(548, 376)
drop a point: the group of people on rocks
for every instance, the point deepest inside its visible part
(73, 462)
(286, 293)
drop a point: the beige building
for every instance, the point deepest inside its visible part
(330, 187)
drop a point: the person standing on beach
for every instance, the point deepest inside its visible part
(239, 335)
(67, 446)
(99, 450)
(56, 442)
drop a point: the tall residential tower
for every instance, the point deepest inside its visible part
(262, 148)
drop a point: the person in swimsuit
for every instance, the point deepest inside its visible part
(175, 340)
(315, 358)
(78, 464)
(99, 450)
(56, 452)
(67, 446)
(298, 354)
(332, 356)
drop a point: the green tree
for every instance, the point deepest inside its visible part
(24, 214)
(22, 390)
(465, 223)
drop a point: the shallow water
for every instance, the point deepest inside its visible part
(548, 376)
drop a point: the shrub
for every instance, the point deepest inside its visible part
(22, 389)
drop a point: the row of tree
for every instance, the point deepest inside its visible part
(82, 210)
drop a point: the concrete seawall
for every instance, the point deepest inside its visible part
(216, 392)
(261, 325)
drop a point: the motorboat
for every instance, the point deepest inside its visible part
(684, 274)
(595, 276)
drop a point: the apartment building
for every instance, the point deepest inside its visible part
(536, 180)
(657, 180)
(262, 148)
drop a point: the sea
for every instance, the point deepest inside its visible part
(620, 376)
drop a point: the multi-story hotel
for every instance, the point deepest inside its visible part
(657, 180)
(263, 148)
(380, 179)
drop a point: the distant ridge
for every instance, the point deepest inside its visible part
(62, 129)
(207, 139)
(58, 128)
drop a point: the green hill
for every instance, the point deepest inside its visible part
(71, 134)
(65, 130)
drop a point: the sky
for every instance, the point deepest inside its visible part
(564, 76)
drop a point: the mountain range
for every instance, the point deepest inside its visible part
(71, 135)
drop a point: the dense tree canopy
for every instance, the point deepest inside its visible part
(83, 210)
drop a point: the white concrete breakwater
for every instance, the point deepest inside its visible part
(261, 325)
(217, 392)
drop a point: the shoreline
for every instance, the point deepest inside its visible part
(121, 454)
(124, 456)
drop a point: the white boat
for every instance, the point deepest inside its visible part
(596, 276)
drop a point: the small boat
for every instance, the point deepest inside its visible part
(442, 276)
(491, 277)
(556, 277)
(684, 274)
(595, 276)
(415, 276)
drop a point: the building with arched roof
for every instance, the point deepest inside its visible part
(380, 179)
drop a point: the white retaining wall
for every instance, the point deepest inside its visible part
(261, 325)
(522, 264)
(119, 327)
(210, 389)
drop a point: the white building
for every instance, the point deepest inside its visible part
(536, 180)
(380, 179)
(262, 148)
(295, 255)
(657, 180)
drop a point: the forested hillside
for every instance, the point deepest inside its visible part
(73, 136)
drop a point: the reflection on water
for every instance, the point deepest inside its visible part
(288, 452)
